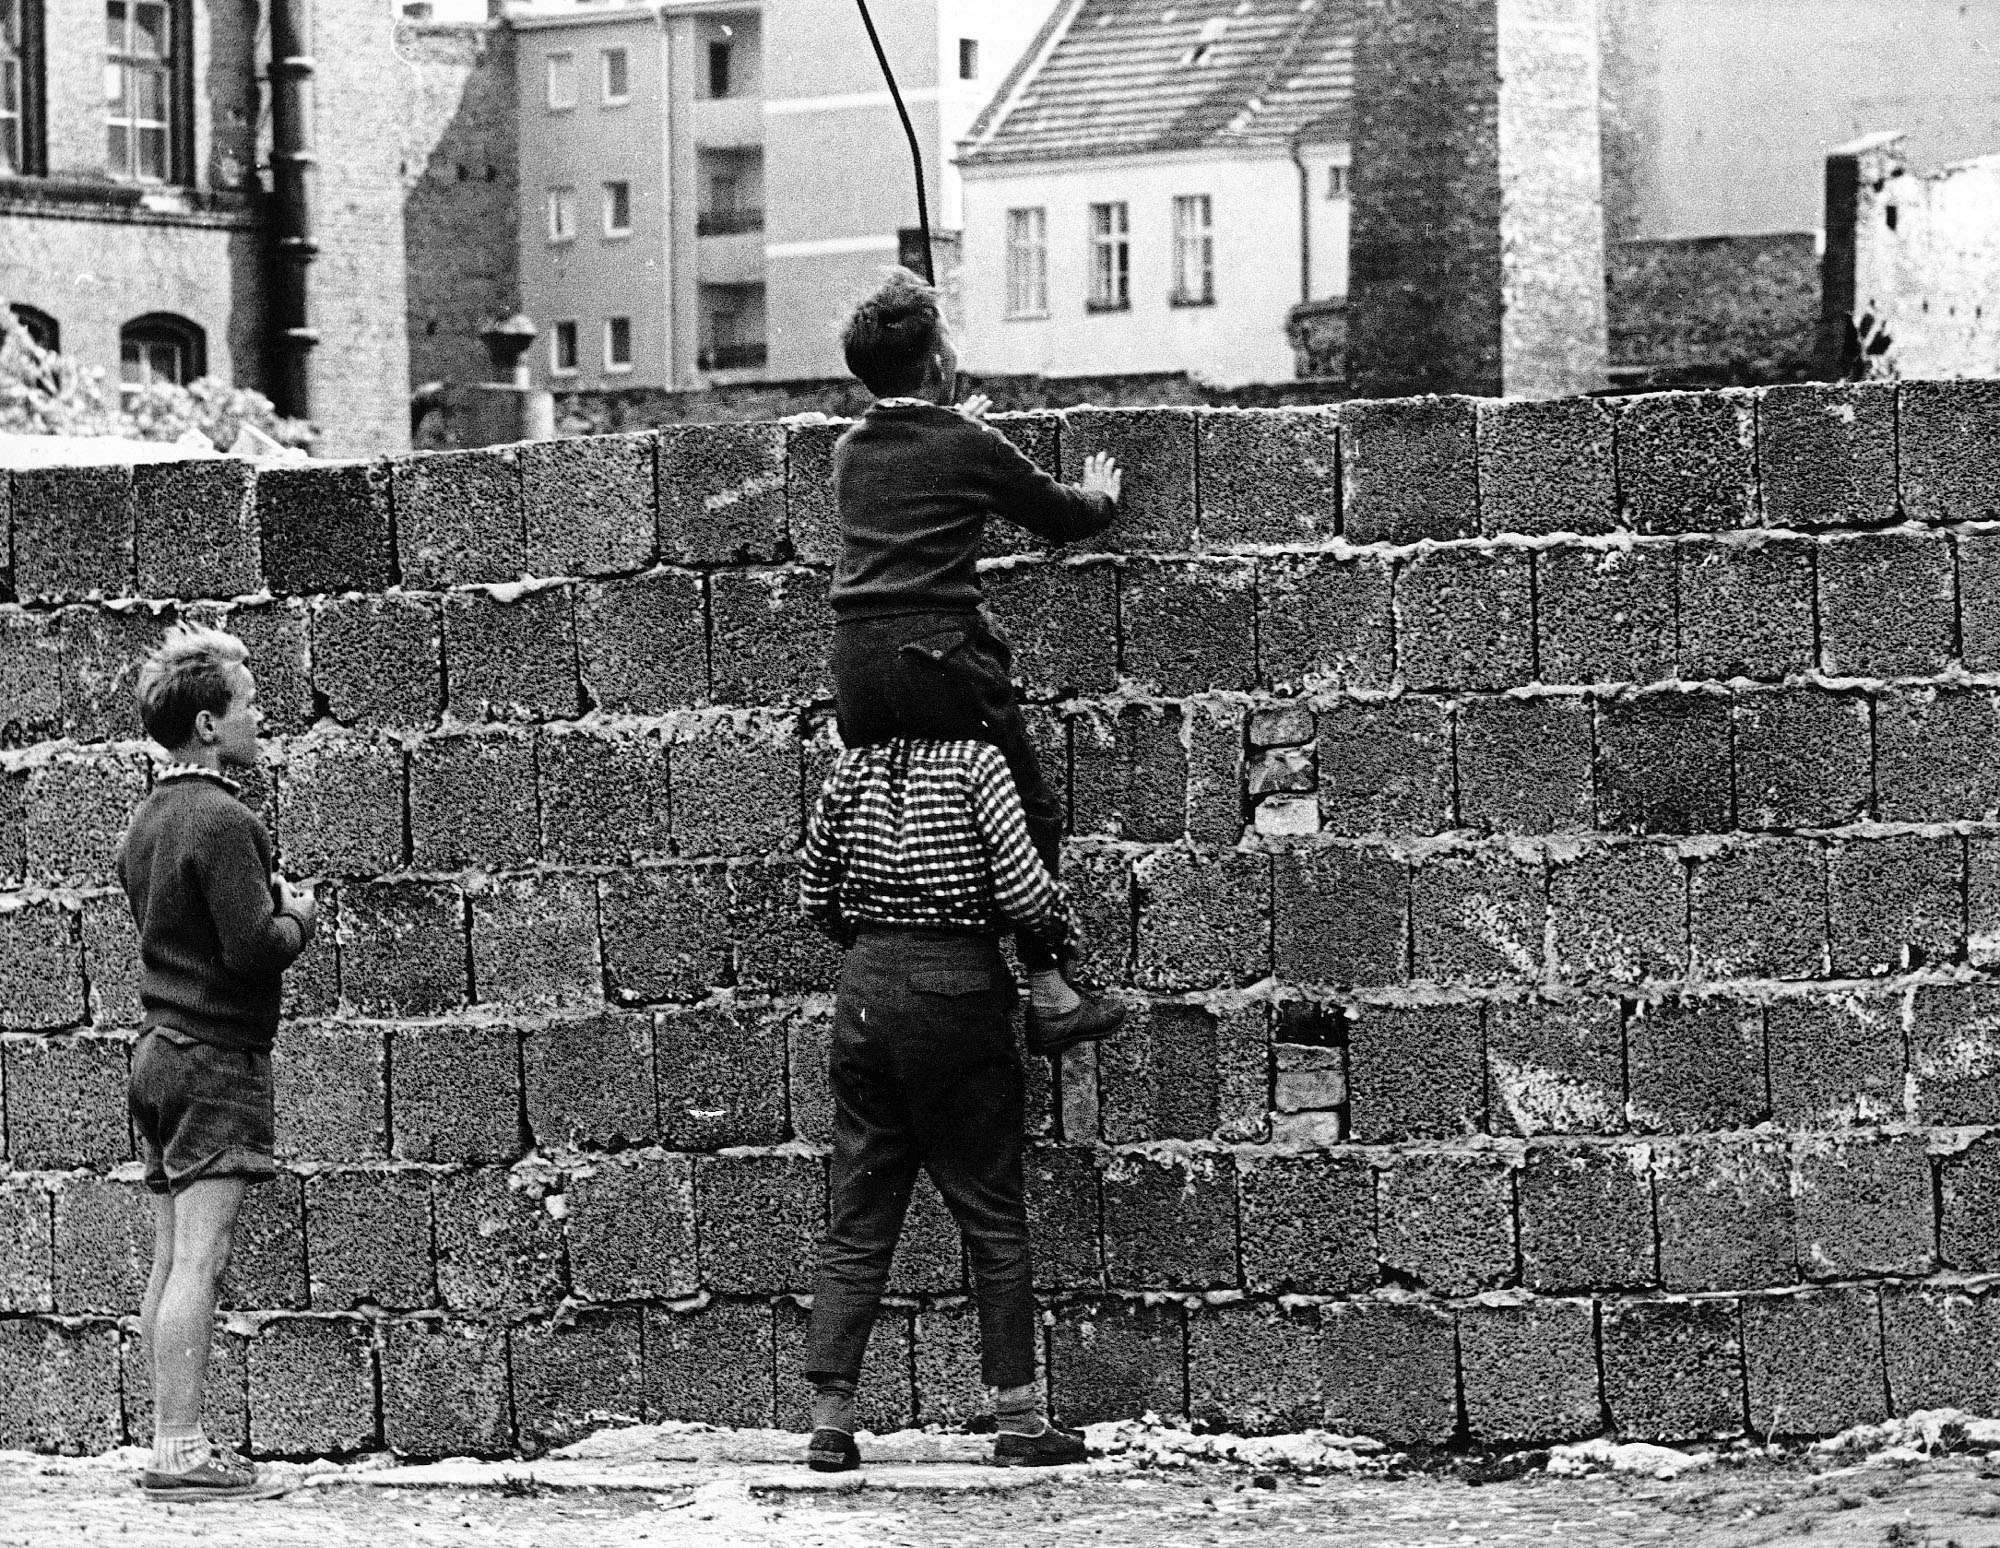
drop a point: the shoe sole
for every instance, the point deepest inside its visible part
(206, 1494)
(840, 1466)
(1040, 1461)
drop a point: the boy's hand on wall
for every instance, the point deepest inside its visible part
(1101, 475)
(300, 903)
(976, 407)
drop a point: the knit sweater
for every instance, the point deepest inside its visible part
(196, 867)
(916, 483)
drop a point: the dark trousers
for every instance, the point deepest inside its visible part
(924, 1074)
(945, 677)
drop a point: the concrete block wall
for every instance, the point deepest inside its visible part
(1552, 852)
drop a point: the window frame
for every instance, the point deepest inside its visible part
(174, 69)
(968, 59)
(1114, 245)
(561, 330)
(1196, 239)
(606, 96)
(612, 230)
(561, 214)
(1339, 180)
(30, 157)
(613, 366)
(39, 325)
(155, 329)
(1027, 260)
(566, 58)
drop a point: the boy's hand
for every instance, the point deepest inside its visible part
(976, 407)
(1101, 475)
(301, 903)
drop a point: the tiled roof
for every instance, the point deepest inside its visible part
(1115, 77)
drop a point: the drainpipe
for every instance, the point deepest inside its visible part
(294, 173)
(1305, 217)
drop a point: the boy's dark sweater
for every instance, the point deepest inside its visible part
(916, 483)
(196, 867)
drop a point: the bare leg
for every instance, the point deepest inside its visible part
(156, 1281)
(204, 1218)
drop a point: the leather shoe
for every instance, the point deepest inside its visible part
(1051, 1448)
(832, 1451)
(1095, 1018)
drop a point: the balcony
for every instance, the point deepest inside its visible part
(734, 259)
(728, 222)
(728, 123)
(732, 357)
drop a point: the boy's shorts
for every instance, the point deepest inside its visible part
(201, 1110)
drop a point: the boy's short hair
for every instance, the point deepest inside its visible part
(189, 673)
(890, 336)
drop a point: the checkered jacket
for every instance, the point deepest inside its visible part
(926, 835)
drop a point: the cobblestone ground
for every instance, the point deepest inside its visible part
(1931, 1504)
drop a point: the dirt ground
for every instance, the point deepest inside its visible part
(1887, 1501)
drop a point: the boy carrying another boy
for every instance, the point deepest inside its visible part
(915, 652)
(216, 933)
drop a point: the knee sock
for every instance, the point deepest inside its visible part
(833, 1407)
(1018, 1410)
(1050, 994)
(178, 1453)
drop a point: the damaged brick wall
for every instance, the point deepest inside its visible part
(1550, 850)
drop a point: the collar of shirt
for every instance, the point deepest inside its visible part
(906, 403)
(179, 770)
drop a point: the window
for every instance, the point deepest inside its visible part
(719, 55)
(38, 325)
(159, 347)
(617, 343)
(617, 76)
(20, 116)
(1027, 262)
(140, 89)
(562, 214)
(1110, 258)
(562, 349)
(1194, 251)
(617, 209)
(562, 81)
(968, 59)
(1336, 181)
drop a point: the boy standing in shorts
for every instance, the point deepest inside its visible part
(217, 930)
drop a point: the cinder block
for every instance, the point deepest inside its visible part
(736, 784)
(1758, 910)
(777, 951)
(195, 526)
(1746, 609)
(590, 1082)
(445, 1390)
(631, 1228)
(1555, 1067)
(1863, 1206)
(1170, 1222)
(1888, 605)
(1204, 919)
(711, 1365)
(812, 519)
(1465, 619)
(1724, 1208)
(1586, 1217)
(41, 969)
(326, 527)
(1813, 1361)
(1037, 435)
(312, 1388)
(13, 852)
(1979, 601)
(1937, 757)
(1391, 1371)
(1385, 767)
(74, 814)
(721, 493)
(574, 1375)
(930, 1256)
(267, 1262)
(1117, 1360)
(1214, 731)
(1686, 460)
(368, 1240)
(1941, 1348)
(1099, 885)
(1409, 469)
(808, 1032)
(1339, 917)
(1062, 620)
(1982, 900)
(513, 657)
(1530, 1371)
(1415, 1071)
(278, 634)
(1969, 1218)
(721, 1076)
(1255, 1369)
(73, 532)
(59, 1388)
(66, 1102)
(1945, 458)
(27, 1267)
(31, 678)
(341, 807)
(534, 942)
(102, 651)
(885, 1401)
(759, 1219)
(1524, 764)
(1129, 772)
(1269, 476)
(643, 643)
(457, 1093)
(1479, 918)
(1155, 450)
(1445, 1221)
(604, 795)
(402, 948)
(1606, 615)
(496, 1243)
(331, 1096)
(1673, 1370)
(587, 504)
(1620, 913)
(1062, 1193)
(1308, 1223)
(1324, 622)
(1834, 1061)
(1954, 1034)
(103, 1250)
(1546, 466)
(1696, 1064)
(769, 634)
(1826, 454)
(1895, 902)
(111, 965)
(472, 802)
(379, 660)
(1161, 1078)
(225, 1399)
(665, 932)
(1663, 764)
(1188, 626)
(458, 516)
